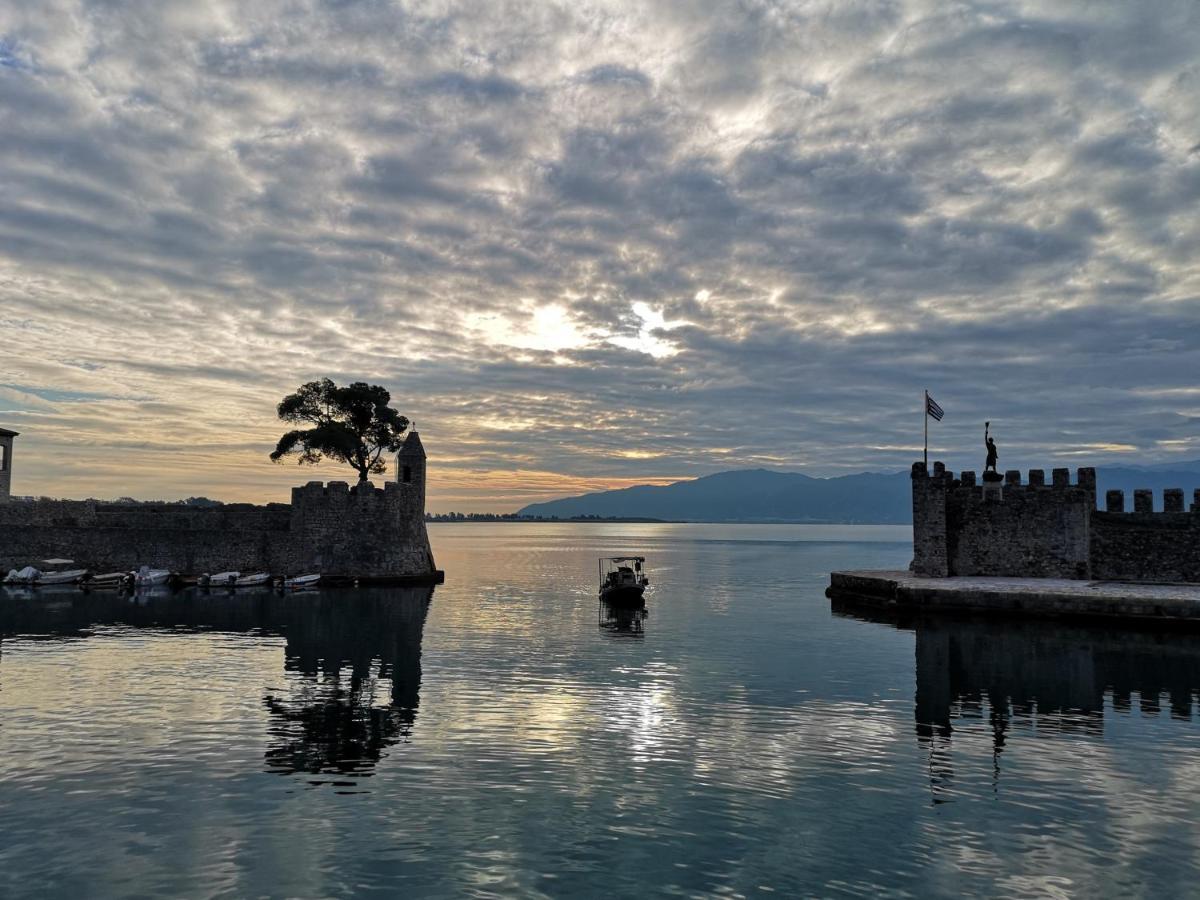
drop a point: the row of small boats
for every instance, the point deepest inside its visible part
(146, 577)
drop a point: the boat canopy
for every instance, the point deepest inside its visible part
(611, 564)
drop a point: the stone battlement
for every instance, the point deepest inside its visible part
(1143, 501)
(1059, 478)
(339, 494)
(362, 531)
(1015, 528)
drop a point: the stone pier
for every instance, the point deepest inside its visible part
(1041, 597)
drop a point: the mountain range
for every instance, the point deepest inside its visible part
(766, 495)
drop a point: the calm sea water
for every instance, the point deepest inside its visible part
(503, 735)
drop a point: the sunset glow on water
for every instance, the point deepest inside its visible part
(507, 737)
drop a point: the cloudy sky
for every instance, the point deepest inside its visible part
(593, 244)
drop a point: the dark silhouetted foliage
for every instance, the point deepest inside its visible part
(351, 424)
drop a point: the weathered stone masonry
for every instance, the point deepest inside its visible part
(334, 529)
(6, 451)
(1054, 530)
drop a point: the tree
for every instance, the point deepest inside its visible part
(352, 424)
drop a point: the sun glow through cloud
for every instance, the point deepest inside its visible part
(593, 245)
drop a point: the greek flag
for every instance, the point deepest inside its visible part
(932, 409)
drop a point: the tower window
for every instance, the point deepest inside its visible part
(408, 474)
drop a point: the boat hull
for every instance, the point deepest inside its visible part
(257, 580)
(72, 577)
(302, 582)
(624, 595)
(153, 578)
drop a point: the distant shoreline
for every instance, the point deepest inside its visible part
(583, 520)
(486, 517)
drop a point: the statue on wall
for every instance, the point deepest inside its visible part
(992, 455)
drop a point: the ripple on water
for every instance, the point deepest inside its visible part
(505, 738)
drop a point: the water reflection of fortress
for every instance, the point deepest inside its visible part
(1055, 677)
(348, 650)
(355, 655)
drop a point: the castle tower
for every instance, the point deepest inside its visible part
(410, 469)
(6, 453)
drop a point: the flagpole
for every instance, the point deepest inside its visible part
(925, 410)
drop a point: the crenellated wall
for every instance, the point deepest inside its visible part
(335, 529)
(1143, 545)
(1031, 529)
(930, 542)
(363, 531)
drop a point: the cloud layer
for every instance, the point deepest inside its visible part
(587, 245)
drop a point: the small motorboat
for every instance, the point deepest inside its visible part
(224, 579)
(66, 576)
(256, 580)
(148, 577)
(301, 582)
(111, 580)
(27, 575)
(623, 579)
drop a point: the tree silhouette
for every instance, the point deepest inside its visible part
(352, 424)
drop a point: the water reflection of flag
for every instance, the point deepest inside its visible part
(931, 408)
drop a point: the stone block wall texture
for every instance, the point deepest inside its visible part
(1146, 546)
(333, 529)
(113, 537)
(929, 520)
(1022, 529)
(1037, 531)
(364, 531)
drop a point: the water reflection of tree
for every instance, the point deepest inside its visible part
(353, 658)
(1052, 677)
(358, 661)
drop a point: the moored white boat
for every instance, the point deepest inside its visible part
(147, 577)
(223, 579)
(300, 582)
(27, 575)
(259, 578)
(67, 576)
(111, 580)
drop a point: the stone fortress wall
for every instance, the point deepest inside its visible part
(107, 537)
(1039, 530)
(6, 449)
(334, 529)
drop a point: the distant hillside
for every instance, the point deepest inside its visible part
(761, 495)
(1184, 475)
(750, 495)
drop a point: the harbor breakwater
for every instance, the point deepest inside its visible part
(361, 532)
(331, 529)
(1039, 549)
(1039, 529)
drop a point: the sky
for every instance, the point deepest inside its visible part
(588, 245)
